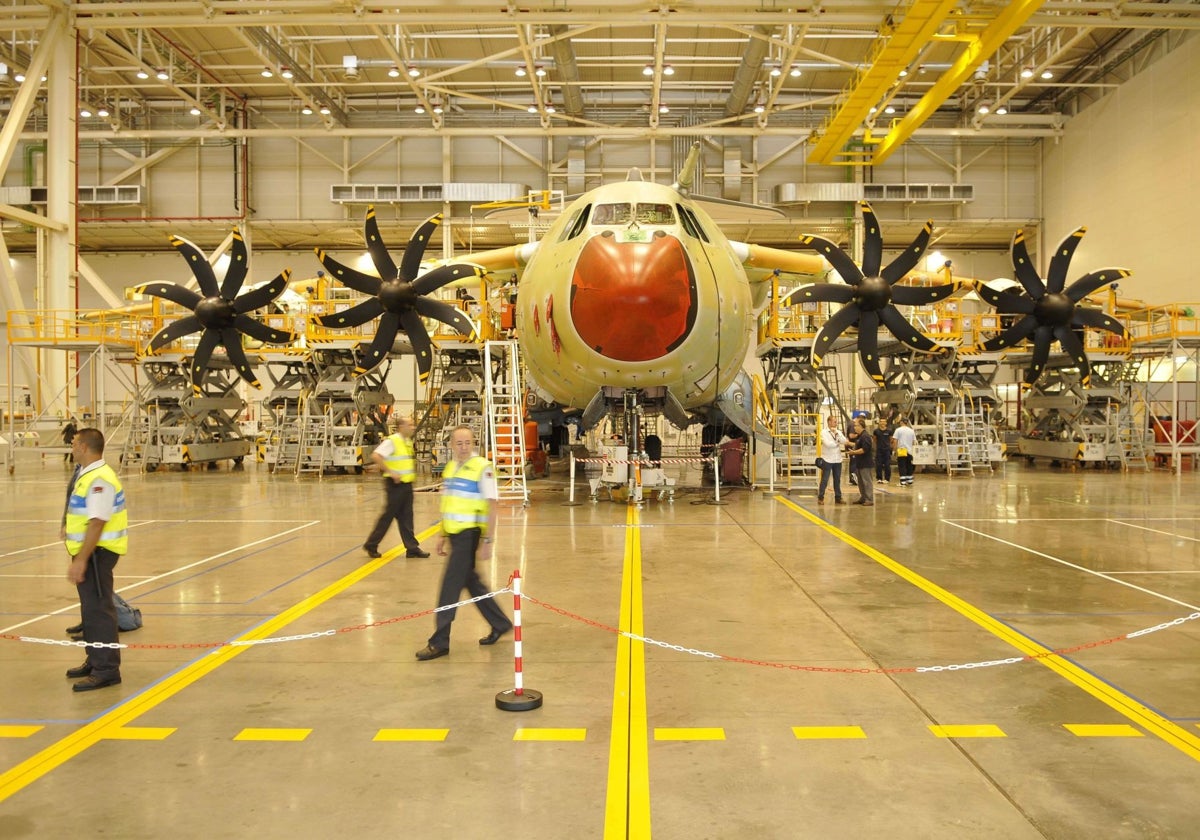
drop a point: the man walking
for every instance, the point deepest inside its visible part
(862, 461)
(904, 439)
(396, 459)
(96, 535)
(468, 519)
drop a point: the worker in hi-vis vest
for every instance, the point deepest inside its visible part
(95, 531)
(468, 520)
(397, 462)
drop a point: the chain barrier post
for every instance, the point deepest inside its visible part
(717, 474)
(571, 483)
(518, 699)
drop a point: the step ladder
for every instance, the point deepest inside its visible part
(133, 455)
(795, 435)
(505, 418)
(314, 446)
(429, 419)
(956, 443)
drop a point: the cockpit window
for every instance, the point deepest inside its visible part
(690, 223)
(577, 223)
(611, 214)
(655, 214)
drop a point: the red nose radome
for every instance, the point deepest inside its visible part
(633, 301)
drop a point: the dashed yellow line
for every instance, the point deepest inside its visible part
(15, 731)
(1154, 723)
(1103, 730)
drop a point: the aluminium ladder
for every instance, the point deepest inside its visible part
(505, 418)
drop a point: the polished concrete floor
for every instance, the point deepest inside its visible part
(759, 668)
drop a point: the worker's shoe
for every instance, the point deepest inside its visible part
(372, 552)
(416, 552)
(75, 628)
(494, 636)
(92, 682)
(430, 652)
(83, 670)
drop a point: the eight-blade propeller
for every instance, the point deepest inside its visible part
(398, 295)
(220, 311)
(871, 295)
(1049, 311)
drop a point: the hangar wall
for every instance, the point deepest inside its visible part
(1128, 168)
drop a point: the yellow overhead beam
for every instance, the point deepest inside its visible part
(897, 51)
(978, 50)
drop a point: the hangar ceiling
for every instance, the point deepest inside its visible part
(822, 74)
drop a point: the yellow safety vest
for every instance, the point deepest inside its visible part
(463, 504)
(403, 459)
(115, 536)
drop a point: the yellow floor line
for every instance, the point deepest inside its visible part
(627, 804)
(1154, 723)
(14, 731)
(1103, 730)
(107, 725)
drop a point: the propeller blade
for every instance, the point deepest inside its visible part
(1089, 283)
(1082, 317)
(831, 329)
(260, 297)
(868, 345)
(827, 292)
(1017, 332)
(174, 331)
(237, 356)
(445, 313)
(837, 258)
(381, 344)
(443, 274)
(201, 270)
(356, 280)
(1026, 274)
(872, 242)
(200, 358)
(354, 316)
(410, 263)
(380, 257)
(922, 295)
(1042, 337)
(419, 337)
(1074, 348)
(169, 291)
(1056, 275)
(1005, 301)
(906, 332)
(262, 332)
(905, 263)
(236, 272)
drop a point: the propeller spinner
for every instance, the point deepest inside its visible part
(871, 295)
(1049, 311)
(219, 313)
(397, 296)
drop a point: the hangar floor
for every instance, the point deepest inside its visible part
(789, 696)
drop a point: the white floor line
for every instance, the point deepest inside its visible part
(174, 571)
(59, 543)
(1153, 530)
(1071, 565)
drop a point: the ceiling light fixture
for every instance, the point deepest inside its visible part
(663, 109)
(413, 72)
(903, 73)
(891, 109)
(550, 109)
(1001, 110)
(520, 71)
(142, 74)
(539, 70)
(194, 111)
(984, 108)
(1026, 72)
(324, 110)
(668, 70)
(85, 112)
(532, 109)
(19, 77)
(759, 107)
(161, 74)
(437, 108)
(306, 110)
(102, 111)
(794, 72)
(1046, 74)
(394, 72)
(266, 73)
(286, 72)
(420, 109)
(648, 70)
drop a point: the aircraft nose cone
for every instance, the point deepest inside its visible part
(633, 301)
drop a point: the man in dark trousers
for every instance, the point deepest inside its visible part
(469, 494)
(96, 536)
(862, 461)
(397, 462)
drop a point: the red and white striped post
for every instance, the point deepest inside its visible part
(519, 698)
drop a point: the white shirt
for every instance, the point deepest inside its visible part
(904, 438)
(101, 497)
(832, 441)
